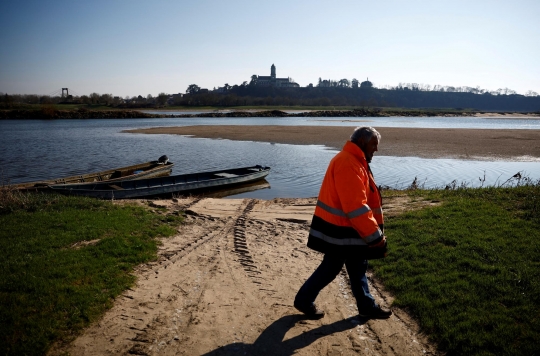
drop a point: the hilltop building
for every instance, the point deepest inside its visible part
(367, 84)
(272, 81)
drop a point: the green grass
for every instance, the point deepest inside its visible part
(94, 107)
(469, 270)
(50, 288)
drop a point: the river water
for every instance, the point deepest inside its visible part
(34, 150)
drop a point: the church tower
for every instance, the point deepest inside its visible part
(273, 71)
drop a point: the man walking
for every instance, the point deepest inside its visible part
(347, 226)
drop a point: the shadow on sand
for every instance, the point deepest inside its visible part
(270, 342)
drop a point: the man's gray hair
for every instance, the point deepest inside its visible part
(365, 134)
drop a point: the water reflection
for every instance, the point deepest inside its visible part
(400, 172)
(236, 190)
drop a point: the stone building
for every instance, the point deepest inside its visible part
(367, 84)
(273, 81)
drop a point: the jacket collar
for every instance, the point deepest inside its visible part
(355, 150)
(358, 153)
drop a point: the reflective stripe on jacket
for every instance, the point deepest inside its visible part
(348, 216)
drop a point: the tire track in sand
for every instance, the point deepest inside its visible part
(145, 320)
(224, 286)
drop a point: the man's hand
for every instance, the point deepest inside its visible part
(380, 244)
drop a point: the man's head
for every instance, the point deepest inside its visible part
(367, 138)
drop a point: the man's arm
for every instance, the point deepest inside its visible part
(351, 183)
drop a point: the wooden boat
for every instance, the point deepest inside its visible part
(161, 167)
(180, 184)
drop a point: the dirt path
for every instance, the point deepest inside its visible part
(224, 285)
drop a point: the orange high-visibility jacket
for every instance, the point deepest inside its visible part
(348, 216)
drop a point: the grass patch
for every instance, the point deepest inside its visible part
(52, 284)
(469, 270)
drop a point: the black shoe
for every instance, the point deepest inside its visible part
(310, 310)
(376, 313)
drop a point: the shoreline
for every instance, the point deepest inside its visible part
(477, 114)
(55, 114)
(467, 144)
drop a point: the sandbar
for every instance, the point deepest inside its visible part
(469, 144)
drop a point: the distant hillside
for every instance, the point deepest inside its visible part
(405, 98)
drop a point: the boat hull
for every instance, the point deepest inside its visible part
(150, 169)
(179, 184)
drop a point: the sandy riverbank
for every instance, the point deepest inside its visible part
(225, 284)
(418, 142)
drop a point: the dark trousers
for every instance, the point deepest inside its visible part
(328, 270)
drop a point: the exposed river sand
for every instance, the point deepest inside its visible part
(416, 142)
(224, 285)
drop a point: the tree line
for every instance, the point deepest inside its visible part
(405, 96)
(7, 101)
(325, 92)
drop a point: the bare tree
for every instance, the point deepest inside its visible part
(94, 98)
(162, 99)
(192, 89)
(344, 83)
(106, 99)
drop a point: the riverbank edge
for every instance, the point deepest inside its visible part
(54, 114)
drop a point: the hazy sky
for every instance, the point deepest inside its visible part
(132, 47)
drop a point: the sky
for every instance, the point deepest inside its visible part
(133, 47)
